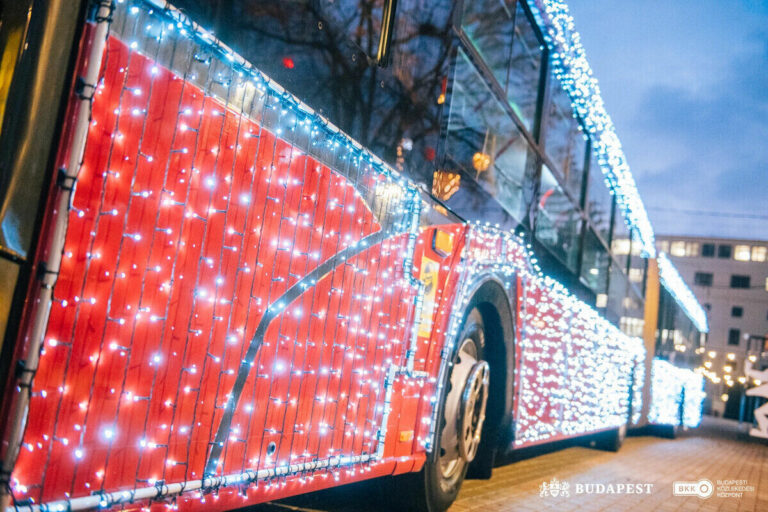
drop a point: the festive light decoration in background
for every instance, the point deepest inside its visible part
(237, 314)
(672, 387)
(683, 295)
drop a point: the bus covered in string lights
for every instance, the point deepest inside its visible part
(257, 248)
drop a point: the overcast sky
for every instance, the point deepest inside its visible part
(686, 84)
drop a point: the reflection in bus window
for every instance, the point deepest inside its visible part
(557, 221)
(564, 139)
(617, 291)
(504, 36)
(599, 201)
(323, 51)
(594, 265)
(527, 53)
(489, 24)
(483, 140)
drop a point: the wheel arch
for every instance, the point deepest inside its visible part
(496, 307)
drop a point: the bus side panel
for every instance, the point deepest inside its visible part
(437, 259)
(226, 303)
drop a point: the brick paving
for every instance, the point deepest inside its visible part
(717, 450)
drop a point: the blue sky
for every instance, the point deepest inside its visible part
(686, 84)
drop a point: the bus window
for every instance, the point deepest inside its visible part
(324, 52)
(483, 140)
(617, 291)
(489, 24)
(527, 55)
(564, 139)
(594, 264)
(599, 201)
(503, 35)
(557, 222)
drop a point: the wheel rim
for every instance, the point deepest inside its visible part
(473, 400)
(464, 411)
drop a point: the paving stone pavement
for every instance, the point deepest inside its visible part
(717, 451)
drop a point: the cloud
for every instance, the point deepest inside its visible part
(686, 84)
(709, 149)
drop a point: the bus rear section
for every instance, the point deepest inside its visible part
(232, 299)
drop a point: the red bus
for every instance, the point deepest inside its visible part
(378, 239)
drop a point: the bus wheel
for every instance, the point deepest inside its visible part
(461, 415)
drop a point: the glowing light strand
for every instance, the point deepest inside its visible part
(671, 385)
(571, 67)
(673, 282)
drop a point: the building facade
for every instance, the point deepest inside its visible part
(730, 279)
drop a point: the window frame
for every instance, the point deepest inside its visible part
(740, 278)
(703, 279)
(734, 333)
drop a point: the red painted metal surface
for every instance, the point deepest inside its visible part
(228, 302)
(189, 221)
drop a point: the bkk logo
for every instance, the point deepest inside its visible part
(703, 489)
(555, 488)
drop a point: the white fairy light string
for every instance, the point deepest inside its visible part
(574, 361)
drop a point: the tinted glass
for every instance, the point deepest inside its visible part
(636, 263)
(321, 51)
(599, 201)
(594, 263)
(483, 141)
(489, 24)
(557, 220)
(503, 35)
(621, 244)
(527, 55)
(632, 319)
(564, 139)
(617, 291)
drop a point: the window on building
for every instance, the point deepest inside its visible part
(703, 278)
(741, 253)
(738, 281)
(734, 335)
(677, 248)
(662, 246)
(620, 246)
(737, 311)
(724, 251)
(636, 275)
(708, 250)
(759, 253)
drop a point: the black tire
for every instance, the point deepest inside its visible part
(612, 440)
(430, 490)
(667, 431)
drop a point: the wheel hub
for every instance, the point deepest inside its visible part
(473, 402)
(464, 410)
